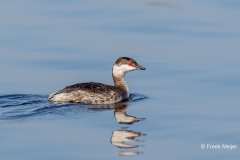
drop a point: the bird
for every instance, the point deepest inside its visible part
(98, 93)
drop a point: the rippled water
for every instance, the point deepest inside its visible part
(34, 108)
(188, 96)
(23, 106)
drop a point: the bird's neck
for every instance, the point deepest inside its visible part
(119, 79)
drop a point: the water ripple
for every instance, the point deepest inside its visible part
(22, 106)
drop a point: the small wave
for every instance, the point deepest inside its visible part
(22, 106)
(135, 97)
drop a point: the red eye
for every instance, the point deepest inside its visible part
(130, 64)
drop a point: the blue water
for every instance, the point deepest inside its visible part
(189, 95)
(23, 106)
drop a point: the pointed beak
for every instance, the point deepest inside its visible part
(141, 68)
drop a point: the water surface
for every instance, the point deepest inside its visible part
(189, 95)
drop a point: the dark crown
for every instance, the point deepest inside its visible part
(125, 60)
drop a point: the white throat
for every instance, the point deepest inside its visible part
(118, 73)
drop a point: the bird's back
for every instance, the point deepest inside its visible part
(89, 93)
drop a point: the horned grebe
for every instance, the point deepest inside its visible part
(98, 93)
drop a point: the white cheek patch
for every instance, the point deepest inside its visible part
(127, 68)
(121, 70)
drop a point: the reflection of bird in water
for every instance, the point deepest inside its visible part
(120, 137)
(123, 118)
(119, 113)
(129, 153)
